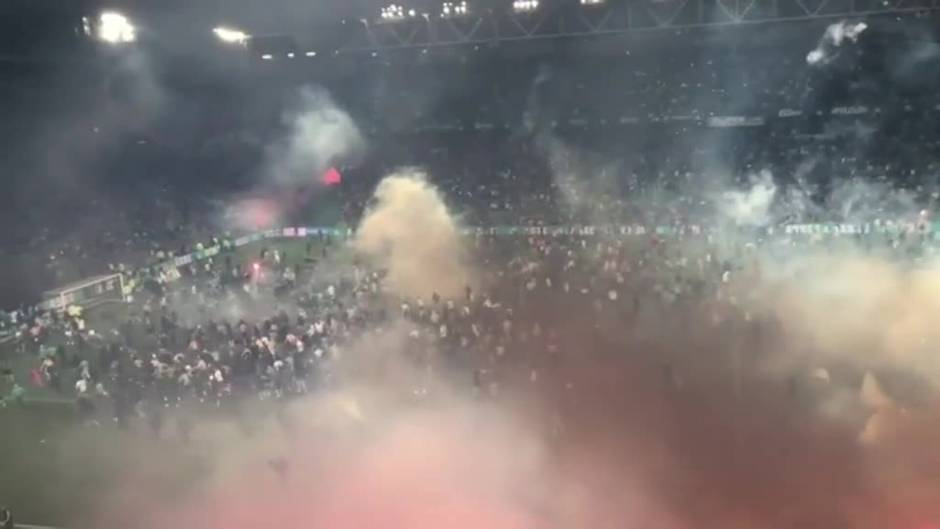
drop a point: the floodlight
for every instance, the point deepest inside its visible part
(394, 12)
(231, 36)
(452, 9)
(525, 6)
(115, 28)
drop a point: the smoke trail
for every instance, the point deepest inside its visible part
(410, 233)
(832, 39)
(320, 134)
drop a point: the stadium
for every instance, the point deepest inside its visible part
(505, 264)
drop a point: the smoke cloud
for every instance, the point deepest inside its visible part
(603, 446)
(252, 214)
(752, 206)
(320, 134)
(410, 232)
(858, 308)
(604, 438)
(803, 395)
(833, 38)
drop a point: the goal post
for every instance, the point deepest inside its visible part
(86, 294)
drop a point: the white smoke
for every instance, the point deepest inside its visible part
(859, 200)
(321, 134)
(750, 207)
(833, 38)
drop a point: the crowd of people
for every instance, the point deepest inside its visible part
(273, 327)
(622, 220)
(223, 329)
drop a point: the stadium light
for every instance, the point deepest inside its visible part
(393, 12)
(231, 36)
(267, 57)
(453, 10)
(115, 28)
(592, 2)
(525, 6)
(311, 54)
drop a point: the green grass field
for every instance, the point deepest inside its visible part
(35, 479)
(56, 472)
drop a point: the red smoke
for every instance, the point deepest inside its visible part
(602, 440)
(256, 213)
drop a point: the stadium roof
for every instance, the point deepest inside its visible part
(46, 30)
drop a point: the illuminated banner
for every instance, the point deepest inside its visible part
(734, 121)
